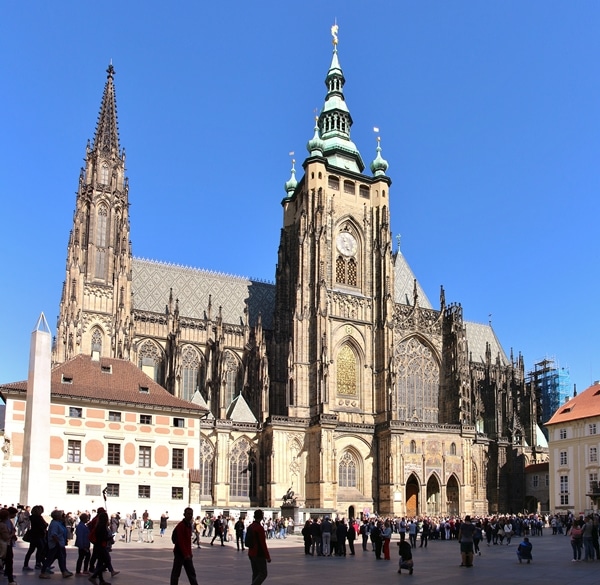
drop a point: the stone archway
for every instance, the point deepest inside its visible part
(433, 496)
(453, 496)
(412, 497)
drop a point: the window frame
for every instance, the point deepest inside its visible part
(177, 458)
(73, 487)
(73, 451)
(113, 454)
(177, 493)
(113, 490)
(145, 456)
(114, 416)
(144, 492)
(145, 419)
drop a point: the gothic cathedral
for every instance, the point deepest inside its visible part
(341, 381)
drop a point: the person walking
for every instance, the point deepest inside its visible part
(164, 519)
(258, 553)
(57, 545)
(82, 542)
(8, 536)
(37, 538)
(182, 551)
(239, 529)
(103, 538)
(465, 537)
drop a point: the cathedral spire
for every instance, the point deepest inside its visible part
(335, 120)
(106, 138)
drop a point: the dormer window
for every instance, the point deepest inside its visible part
(106, 369)
(66, 379)
(144, 390)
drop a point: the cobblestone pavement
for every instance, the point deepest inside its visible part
(438, 563)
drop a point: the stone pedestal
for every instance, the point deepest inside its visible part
(292, 511)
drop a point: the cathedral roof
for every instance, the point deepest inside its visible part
(106, 138)
(107, 379)
(584, 405)
(478, 335)
(404, 284)
(196, 289)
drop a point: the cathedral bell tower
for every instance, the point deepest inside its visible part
(95, 307)
(334, 294)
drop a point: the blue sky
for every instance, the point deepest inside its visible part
(488, 114)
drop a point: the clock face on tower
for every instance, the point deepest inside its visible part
(346, 244)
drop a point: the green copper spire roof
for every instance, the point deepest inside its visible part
(379, 165)
(292, 183)
(335, 120)
(315, 144)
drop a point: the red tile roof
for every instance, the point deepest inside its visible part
(537, 467)
(110, 380)
(584, 405)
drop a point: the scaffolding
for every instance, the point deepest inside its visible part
(552, 386)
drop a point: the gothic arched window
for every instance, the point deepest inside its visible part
(413, 447)
(96, 343)
(452, 448)
(347, 471)
(232, 378)
(347, 383)
(242, 471)
(190, 369)
(418, 378)
(205, 475)
(101, 236)
(104, 175)
(150, 360)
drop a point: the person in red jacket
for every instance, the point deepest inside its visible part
(182, 551)
(257, 549)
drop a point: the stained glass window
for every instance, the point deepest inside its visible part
(206, 467)
(242, 471)
(190, 366)
(346, 372)
(347, 471)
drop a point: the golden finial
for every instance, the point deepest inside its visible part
(334, 32)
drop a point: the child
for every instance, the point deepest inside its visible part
(406, 560)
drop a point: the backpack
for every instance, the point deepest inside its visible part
(249, 538)
(174, 535)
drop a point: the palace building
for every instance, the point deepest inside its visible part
(340, 381)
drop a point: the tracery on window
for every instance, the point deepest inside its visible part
(150, 360)
(418, 375)
(190, 369)
(205, 475)
(101, 237)
(232, 378)
(242, 470)
(346, 371)
(347, 471)
(96, 342)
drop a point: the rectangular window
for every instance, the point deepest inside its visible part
(593, 454)
(114, 454)
(563, 457)
(177, 458)
(145, 419)
(112, 489)
(593, 483)
(74, 452)
(178, 422)
(75, 412)
(177, 493)
(564, 490)
(592, 428)
(73, 488)
(145, 456)
(143, 491)
(563, 433)
(114, 416)
(333, 183)
(536, 481)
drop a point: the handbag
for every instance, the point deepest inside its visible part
(26, 537)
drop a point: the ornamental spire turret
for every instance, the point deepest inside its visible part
(106, 139)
